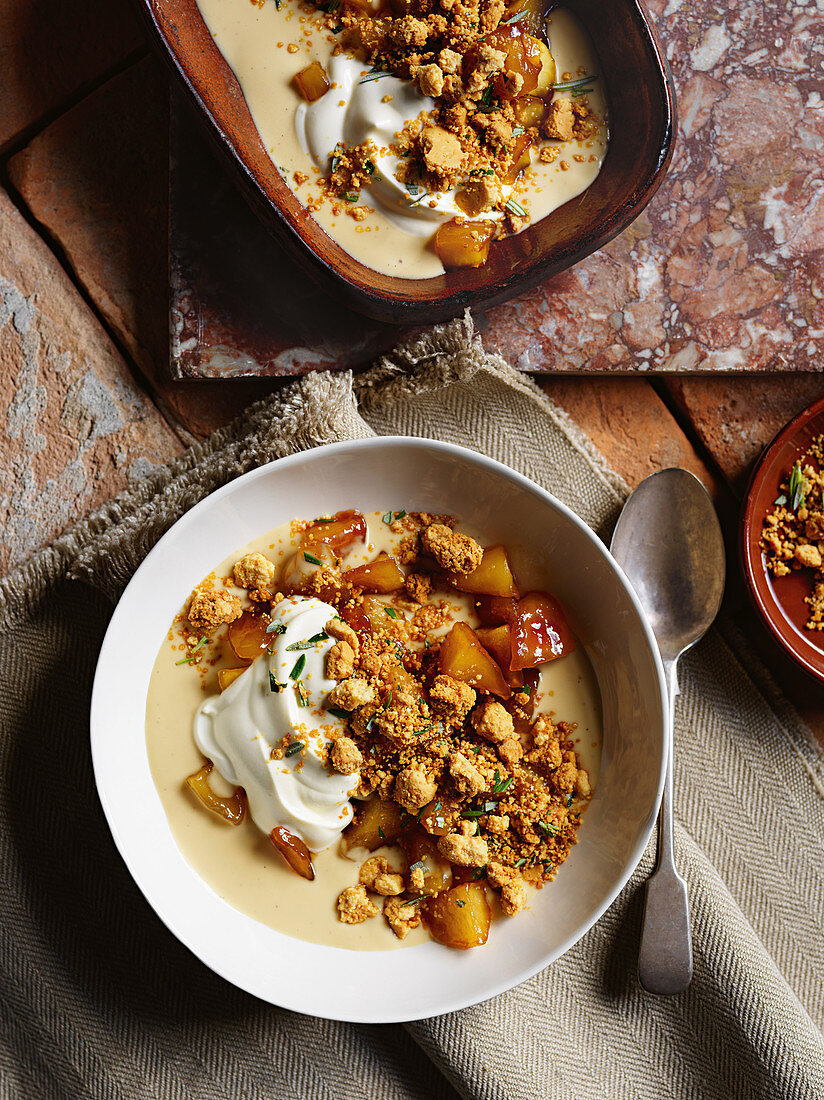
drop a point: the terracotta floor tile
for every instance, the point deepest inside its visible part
(53, 48)
(74, 427)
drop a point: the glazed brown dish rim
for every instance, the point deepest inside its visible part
(394, 299)
(791, 637)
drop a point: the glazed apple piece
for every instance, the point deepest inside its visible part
(437, 871)
(460, 917)
(376, 823)
(381, 575)
(462, 657)
(294, 851)
(498, 641)
(231, 809)
(438, 816)
(493, 577)
(341, 531)
(530, 15)
(227, 676)
(248, 637)
(312, 82)
(493, 610)
(463, 244)
(539, 632)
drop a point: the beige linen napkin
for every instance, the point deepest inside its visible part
(99, 1000)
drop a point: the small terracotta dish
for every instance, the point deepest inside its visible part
(642, 126)
(780, 600)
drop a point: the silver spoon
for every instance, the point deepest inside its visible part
(668, 542)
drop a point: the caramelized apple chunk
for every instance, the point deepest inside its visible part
(381, 575)
(462, 657)
(460, 917)
(493, 577)
(312, 82)
(293, 850)
(341, 531)
(463, 244)
(248, 636)
(540, 631)
(227, 676)
(231, 809)
(376, 823)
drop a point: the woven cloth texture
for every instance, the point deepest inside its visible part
(99, 1000)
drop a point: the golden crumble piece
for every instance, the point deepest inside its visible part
(808, 556)
(343, 632)
(566, 776)
(414, 788)
(497, 824)
(388, 884)
(468, 780)
(449, 61)
(814, 527)
(345, 756)
(210, 608)
(418, 587)
(510, 751)
(496, 129)
(583, 787)
(444, 155)
(340, 661)
(370, 869)
(409, 31)
(351, 694)
(408, 550)
(451, 699)
(468, 828)
(453, 552)
(464, 851)
(493, 722)
(400, 916)
(417, 879)
(254, 571)
(430, 79)
(559, 124)
(513, 897)
(499, 875)
(546, 749)
(355, 906)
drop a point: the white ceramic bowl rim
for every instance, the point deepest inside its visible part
(158, 890)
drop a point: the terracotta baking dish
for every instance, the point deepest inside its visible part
(642, 120)
(781, 600)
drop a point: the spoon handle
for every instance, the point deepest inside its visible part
(665, 955)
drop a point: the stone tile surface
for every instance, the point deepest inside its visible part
(74, 427)
(724, 270)
(51, 49)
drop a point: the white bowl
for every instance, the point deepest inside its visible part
(427, 979)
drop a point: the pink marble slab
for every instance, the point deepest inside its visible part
(724, 271)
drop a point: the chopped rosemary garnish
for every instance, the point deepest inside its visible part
(797, 487)
(460, 902)
(423, 729)
(420, 865)
(351, 196)
(296, 746)
(303, 698)
(373, 74)
(188, 660)
(390, 517)
(571, 85)
(473, 815)
(276, 628)
(520, 862)
(515, 18)
(515, 207)
(476, 749)
(311, 558)
(420, 897)
(482, 171)
(548, 827)
(298, 667)
(310, 642)
(381, 833)
(275, 685)
(370, 167)
(569, 799)
(500, 785)
(390, 611)
(516, 130)
(338, 713)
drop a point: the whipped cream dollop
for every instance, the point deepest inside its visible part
(353, 111)
(238, 729)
